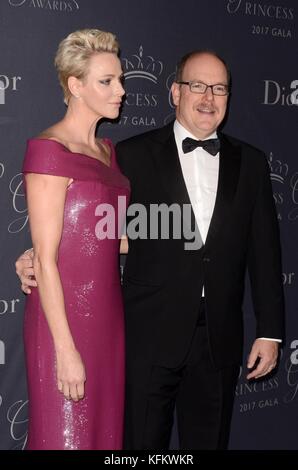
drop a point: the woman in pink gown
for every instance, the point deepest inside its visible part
(74, 325)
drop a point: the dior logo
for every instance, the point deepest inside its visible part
(7, 83)
(19, 204)
(288, 279)
(276, 94)
(260, 10)
(2, 352)
(169, 83)
(294, 354)
(8, 306)
(286, 189)
(294, 95)
(2, 169)
(292, 373)
(17, 417)
(293, 214)
(233, 6)
(2, 92)
(54, 5)
(294, 187)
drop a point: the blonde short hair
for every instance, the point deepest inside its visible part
(75, 51)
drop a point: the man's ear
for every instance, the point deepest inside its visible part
(176, 91)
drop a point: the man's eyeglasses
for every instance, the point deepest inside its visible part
(199, 87)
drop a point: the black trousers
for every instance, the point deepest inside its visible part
(203, 397)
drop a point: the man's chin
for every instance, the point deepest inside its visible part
(206, 130)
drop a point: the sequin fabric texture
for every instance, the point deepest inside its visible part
(89, 271)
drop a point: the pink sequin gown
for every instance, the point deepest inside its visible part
(89, 271)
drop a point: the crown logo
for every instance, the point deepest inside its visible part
(140, 66)
(278, 170)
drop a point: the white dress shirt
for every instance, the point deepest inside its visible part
(200, 172)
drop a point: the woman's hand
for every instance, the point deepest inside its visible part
(71, 376)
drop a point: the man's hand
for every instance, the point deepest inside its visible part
(124, 245)
(24, 269)
(267, 353)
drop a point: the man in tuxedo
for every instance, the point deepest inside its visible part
(183, 306)
(183, 301)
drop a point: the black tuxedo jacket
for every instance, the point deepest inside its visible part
(163, 281)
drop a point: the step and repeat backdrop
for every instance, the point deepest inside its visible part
(258, 39)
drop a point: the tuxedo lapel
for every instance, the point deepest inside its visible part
(229, 168)
(167, 163)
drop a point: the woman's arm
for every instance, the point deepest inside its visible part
(46, 198)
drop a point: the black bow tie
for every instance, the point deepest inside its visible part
(211, 146)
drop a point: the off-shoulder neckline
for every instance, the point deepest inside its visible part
(77, 153)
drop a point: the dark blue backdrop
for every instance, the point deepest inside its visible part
(259, 41)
